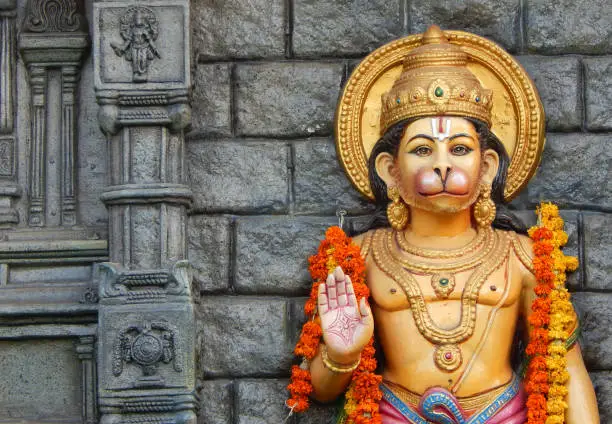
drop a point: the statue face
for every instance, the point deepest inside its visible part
(439, 164)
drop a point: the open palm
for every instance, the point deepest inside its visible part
(347, 325)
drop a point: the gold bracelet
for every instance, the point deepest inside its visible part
(336, 367)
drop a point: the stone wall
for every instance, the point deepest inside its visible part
(267, 183)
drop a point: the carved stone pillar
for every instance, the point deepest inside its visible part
(146, 346)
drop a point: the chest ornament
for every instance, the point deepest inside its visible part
(393, 261)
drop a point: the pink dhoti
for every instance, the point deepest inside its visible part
(504, 405)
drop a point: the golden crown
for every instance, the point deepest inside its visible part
(435, 80)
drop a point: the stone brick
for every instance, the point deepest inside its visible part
(596, 320)
(569, 26)
(602, 381)
(574, 171)
(331, 27)
(320, 185)
(558, 82)
(318, 414)
(41, 380)
(238, 177)
(272, 253)
(244, 336)
(238, 28)
(497, 20)
(261, 401)
(209, 251)
(598, 250)
(598, 93)
(212, 99)
(287, 99)
(216, 402)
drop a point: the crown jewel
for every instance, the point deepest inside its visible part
(435, 80)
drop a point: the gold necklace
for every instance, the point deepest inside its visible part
(447, 354)
(417, 266)
(443, 275)
(477, 242)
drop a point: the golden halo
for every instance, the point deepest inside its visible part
(517, 113)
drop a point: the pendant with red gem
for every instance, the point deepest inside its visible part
(448, 357)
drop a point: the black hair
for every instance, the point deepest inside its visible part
(389, 143)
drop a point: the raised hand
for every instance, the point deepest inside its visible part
(347, 326)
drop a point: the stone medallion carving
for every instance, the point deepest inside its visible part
(139, 30)
(148, 345)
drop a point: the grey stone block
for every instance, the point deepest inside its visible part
(211, 112)
(318, 414)
(596, 321)
(287, 99)
(261, 401)
(239, 177)
(238, 28)
(216, 402)
(558, 82)
(272, 253)
(244, 336)
(497, 20)
(209, 240)
(297, 318)
(602, 381)
(574, 171)
(598, 93)
(320, 185)
(335, 28)
(569, 26)
(598, 250)
(40, 379)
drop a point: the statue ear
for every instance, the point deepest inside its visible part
(385, 168)
(490, 164)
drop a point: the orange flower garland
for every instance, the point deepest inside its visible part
(551, 319)
(363, 394)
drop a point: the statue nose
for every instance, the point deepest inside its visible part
(442, 172)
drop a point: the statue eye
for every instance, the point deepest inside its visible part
(422, 151)
(460, 150)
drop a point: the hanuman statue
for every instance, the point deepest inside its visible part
(449, 271)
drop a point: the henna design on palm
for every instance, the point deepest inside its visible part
(344, 326)
(347, 326)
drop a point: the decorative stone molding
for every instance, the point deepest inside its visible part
(147, 344)
(53, 16)
(9, 189)
(147, 286)
(86, 352)
(53, 37)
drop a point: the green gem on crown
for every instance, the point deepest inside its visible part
(444, 281)
(439, 92)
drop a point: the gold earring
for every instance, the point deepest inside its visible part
(397, 211)
(484, 208)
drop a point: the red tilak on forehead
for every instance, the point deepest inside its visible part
(440, 124)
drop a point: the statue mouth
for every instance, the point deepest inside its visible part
(443, 193)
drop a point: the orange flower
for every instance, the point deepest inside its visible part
(552, 313)
(363, 393)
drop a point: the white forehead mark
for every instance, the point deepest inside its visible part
(440, 128)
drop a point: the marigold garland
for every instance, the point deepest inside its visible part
(551, 320)
(363, 394)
